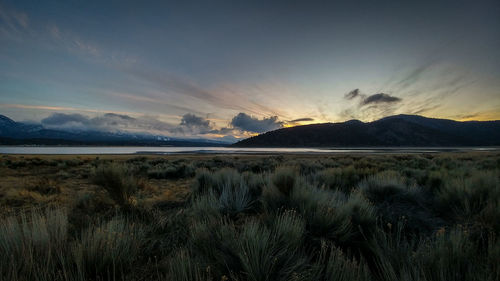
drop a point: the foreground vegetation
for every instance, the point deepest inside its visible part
(257, 218)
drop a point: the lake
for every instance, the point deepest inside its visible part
(215, 150)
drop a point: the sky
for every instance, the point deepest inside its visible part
(232, 69)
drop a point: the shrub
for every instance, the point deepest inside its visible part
(334, 265)
(214, 243)
(231, 201)
(265, 255)
(296, 223)
(166, 232)
(206, 206)
(215, 182)
(467, 197)
(182, 267)
(235, 200)
(117, 180)
(108, 249)
(34, 246)
(284, 179)
(288, 228)
(165, 171)
(203, 182)
(255, 183)
(395, 201)
(225, 192)
(320, 209)
(493, 258)
(381, 186)
(451, 256)
(343, 179)
(362, 217)
(391, 255)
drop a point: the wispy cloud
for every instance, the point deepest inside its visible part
(297, 122)
(220, 98)
(54, 31)
(12, 22)
(352, 94)
(63, 108)
(426, 89)
(16, 25)
(414, 76)
(163, 101)
(72, 42)
(307, 119)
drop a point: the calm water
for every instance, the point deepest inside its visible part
(171, 150)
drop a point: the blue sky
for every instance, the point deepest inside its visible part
(237, 68)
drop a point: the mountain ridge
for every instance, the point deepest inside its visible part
(396, 130)
(19, 133)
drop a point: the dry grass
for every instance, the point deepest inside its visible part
(250, 217)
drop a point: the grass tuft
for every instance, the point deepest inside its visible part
(117, 180)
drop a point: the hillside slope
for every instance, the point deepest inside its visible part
(398, 130)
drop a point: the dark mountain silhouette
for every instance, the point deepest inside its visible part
(18, 133)
(398, 130)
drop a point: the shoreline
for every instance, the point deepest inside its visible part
(114, 150)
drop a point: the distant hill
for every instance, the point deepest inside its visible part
(398, 130)
(18, 133)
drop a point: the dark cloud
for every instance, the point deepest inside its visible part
(106, 122)
(369, 107)
(189, 125)
(60, 119)
(191, 120)
(192, 124)
(248, 123)
(352, 94)
(222, 131)
(379, 98)
(301, 120)
(119, 116)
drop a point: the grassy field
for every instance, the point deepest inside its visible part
(250, 217)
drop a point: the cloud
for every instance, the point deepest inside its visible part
(307, 119)
(191, 120)
(54, 31)
(223, 97)
(370, 107)
(165, 104)
(297, 122)
(60, 108)
(192, 124)
(61, 119)
(107, 122)
(413, 76)
(248, 123)
(379, 98)
(12, 22)
(352, 94)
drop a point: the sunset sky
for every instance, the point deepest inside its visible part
(236, 68)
